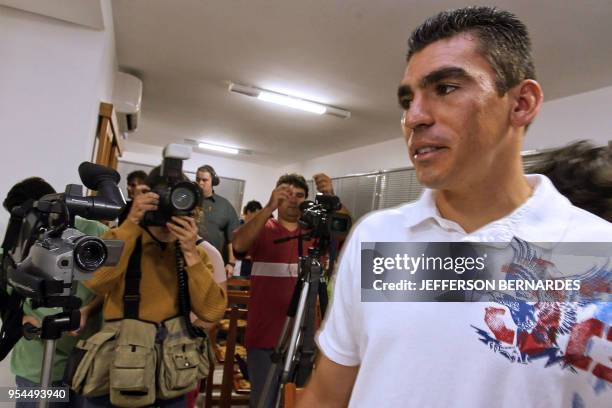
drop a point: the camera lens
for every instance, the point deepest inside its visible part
(184, 197)
(90, 253)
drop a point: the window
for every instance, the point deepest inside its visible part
(363, 193)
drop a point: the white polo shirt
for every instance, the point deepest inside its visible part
(445, 354)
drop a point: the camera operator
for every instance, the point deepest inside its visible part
(158, 285)
(27, 355)
(134, 179)
(273, 275)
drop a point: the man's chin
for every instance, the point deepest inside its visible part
(291, 217)
(431, 179)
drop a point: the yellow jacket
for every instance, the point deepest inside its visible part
(159, 282)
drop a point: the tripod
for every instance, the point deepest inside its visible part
(296, 346)
(51, 330)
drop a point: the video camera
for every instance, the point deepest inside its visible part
(177, 196)
(322, 219)
(44, 253)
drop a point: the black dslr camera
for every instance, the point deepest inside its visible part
(177, 196)
(44, 253)
(322, 219)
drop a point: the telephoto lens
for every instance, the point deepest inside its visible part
(89, 253)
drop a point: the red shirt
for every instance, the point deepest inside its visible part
(273, 278)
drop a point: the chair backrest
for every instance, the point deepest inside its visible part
(237, 297)
(239, 283)
(235, 300)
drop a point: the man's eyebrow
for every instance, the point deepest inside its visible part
(434, 77)
(404, 90)
(443, 74)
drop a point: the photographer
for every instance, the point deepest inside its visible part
(157, 300)
(274, 272)
(27, 355)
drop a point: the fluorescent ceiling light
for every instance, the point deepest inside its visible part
(290, 101)
(217, 148)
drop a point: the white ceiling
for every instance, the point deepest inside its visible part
(347, 53)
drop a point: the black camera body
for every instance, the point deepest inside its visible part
(322, 219)
(177, 196)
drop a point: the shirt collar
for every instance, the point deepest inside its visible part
(211, 198)
(544, 217)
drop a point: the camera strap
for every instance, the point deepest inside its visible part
(183, 293)
(131, 295)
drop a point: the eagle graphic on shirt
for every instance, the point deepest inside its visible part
(558, 327)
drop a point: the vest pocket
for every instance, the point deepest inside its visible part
(87, 370)
(179, 369)
(132, 373)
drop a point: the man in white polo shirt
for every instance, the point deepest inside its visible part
(468, 94)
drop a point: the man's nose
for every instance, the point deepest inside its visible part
(419, 114)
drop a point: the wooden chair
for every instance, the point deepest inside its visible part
(226, 399)
(291, 395)
(238, 284)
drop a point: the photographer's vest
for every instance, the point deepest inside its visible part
(135, 361)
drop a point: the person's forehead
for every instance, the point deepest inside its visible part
(297, 190)
(203, 174)
(461, 51)
(136, 180)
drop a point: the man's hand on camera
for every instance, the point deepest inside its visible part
(185, 230)
(323, 183)
(144, 200)
(280, 193)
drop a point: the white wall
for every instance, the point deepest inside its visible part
(582, 116)
(260, 180)
(53, 76)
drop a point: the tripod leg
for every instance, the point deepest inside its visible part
(47, 368)
(273, 375)
(308, 347)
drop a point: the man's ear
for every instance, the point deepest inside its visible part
(527, 99)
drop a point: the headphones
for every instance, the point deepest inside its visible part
(213, 174)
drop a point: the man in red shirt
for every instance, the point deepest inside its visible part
(274, 273)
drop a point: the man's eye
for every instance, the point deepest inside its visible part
(404, 102)
(444, 89)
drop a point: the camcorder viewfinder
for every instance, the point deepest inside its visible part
(177, 196)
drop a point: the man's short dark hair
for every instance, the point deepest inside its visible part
(252, 206)
(294, 180)
(136, 174)
(503, 40)
(32, 188)
(582, 173)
